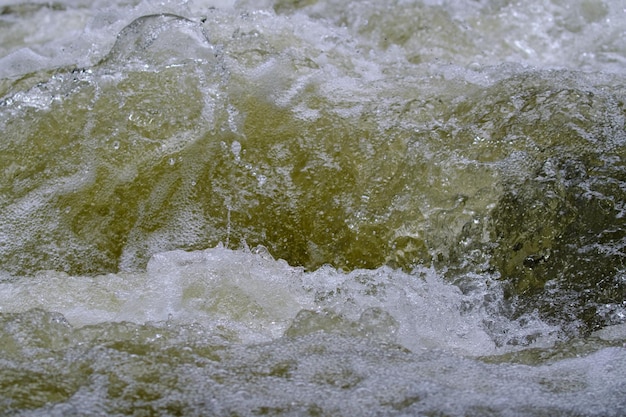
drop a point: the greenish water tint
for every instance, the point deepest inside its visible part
(428, 189)
(161, 369)
(154, 149)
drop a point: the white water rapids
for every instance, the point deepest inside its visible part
(313, 208)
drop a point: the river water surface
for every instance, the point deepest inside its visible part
(313, 208)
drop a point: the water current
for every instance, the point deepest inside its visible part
(313, 208)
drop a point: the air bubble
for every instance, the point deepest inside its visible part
(235, 148)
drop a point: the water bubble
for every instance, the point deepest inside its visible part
(235, 148)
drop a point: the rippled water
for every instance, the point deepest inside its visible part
(313, 208)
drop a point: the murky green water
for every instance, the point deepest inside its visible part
(433, 194)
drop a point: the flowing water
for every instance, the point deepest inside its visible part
(309, 207)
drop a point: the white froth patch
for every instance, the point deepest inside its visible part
(259, 297)
(610, 333)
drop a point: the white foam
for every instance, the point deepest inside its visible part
(611, 333)
(259, 297)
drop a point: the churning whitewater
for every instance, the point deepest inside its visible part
(314, 208)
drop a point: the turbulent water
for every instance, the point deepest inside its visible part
(309, 207)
